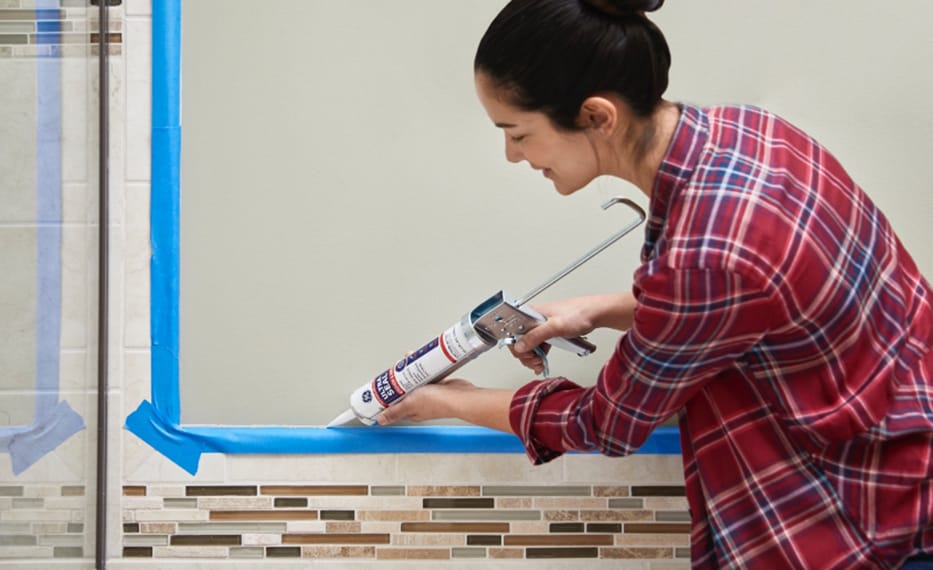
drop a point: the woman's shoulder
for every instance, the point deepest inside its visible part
(745, 123)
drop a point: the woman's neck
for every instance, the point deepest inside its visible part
(644, 146)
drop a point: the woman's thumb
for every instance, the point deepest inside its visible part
(533, 338)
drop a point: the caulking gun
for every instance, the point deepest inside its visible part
(497, 321)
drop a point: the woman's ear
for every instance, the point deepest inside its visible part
(598, 113)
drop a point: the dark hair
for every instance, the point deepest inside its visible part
(550, 55)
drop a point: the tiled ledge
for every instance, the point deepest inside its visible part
(411, 522)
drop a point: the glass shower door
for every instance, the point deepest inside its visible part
(48, 280)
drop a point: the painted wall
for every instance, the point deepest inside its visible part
(367, 202)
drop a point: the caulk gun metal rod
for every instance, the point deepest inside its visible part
(593, 252)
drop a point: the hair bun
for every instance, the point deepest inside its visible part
(624, 7)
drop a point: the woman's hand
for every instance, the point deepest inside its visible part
(573, 317)
(453, 398)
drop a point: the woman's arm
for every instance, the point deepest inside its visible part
(454, 399)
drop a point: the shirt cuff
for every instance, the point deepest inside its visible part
(533, 431)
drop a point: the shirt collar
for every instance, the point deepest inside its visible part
(677, 167)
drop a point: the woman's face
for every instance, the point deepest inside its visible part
(565, 157)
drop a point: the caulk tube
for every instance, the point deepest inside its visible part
(435, 360)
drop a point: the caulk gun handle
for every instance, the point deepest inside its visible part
(577, 345)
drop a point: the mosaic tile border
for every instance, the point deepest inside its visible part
(42, 521)
(68, 31)
(424, 522)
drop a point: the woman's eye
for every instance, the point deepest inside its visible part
(517, 138)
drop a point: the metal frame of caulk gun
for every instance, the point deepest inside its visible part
(505, 321)
(593, 252)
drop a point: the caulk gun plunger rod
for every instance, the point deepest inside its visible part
(593, 252)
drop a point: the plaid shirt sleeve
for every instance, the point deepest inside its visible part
(689, 326)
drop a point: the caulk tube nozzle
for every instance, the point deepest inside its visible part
(346, 416)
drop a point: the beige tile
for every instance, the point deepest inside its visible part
(340, 527)
(235, 503)
(157, 527)
(611, 491)
(658, 469)
(170, 491)
(185, 515)
(666, 503)
(305, 526)
(18, 160)
(514, 503)
(139, 503)
(138, 103)
(79, 130)
(68, 503)
(384, 515)
(78, 203)
(142, 464)
(189, 552)
(138, 7)
(73, 371)
(616, 515)
(18, 299)
(145, 540)
(321, 469)
(75, 296)
(444, 490)
(673, 565)
(136, 388)
(528, 527)
(412, 553)
(252, 539)
(569, 503)
(365, 503)
(40, 552)
(387, 527)
(341, 552)
(474, 468)
(419, 539)
(637, 552)
(22, 515)
(652, 540)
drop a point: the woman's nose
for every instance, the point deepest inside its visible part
(512, 153)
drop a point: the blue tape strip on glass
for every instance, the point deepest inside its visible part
(55, 420)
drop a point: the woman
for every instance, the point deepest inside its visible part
(775, 307)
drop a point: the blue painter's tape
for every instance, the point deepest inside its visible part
(49, 11)
(164, 272)
(165, 436)
(158, 422)
(50, 430)
(48, 26)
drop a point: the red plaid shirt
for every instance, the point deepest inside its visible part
(779, 312)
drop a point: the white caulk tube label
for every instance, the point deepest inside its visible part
(442, 355)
